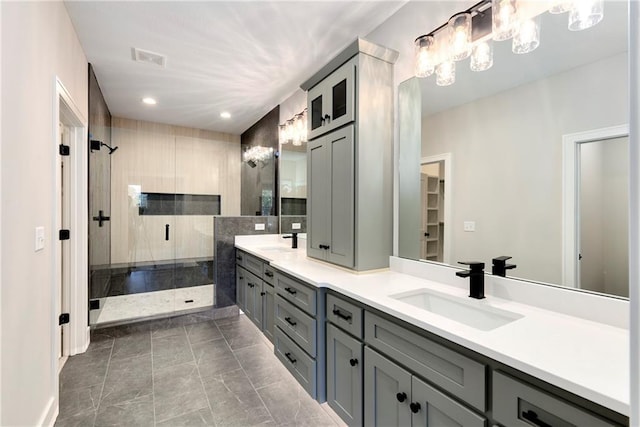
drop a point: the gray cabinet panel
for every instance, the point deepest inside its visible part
(253, 299)
(455, 373)
(345, 315)
(268, 310)
(296, 361)
(298, 325)
(344, 375)
(296, 292)
(253, 264)
(438, 410)
(241, 285)
(518, 404)
(318, 198)
(342, 181)
(240, 257)
(383, 382)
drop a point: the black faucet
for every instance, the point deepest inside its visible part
(476, 278)
(500, 266)
(294, 241)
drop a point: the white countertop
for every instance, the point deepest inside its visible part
(584, 357)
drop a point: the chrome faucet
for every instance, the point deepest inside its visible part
(476, 278)
(294, 240)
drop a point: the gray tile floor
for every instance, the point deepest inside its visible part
(184, 371)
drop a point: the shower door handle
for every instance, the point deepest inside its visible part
(101, 218)
(166, 232)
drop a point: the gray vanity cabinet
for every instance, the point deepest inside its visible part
(241, 284)
(255, 292)
(253, 298)
(330, 210)
(350, 157)
(344, 375)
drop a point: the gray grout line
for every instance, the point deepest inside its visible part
(199, 374)
(104, 381)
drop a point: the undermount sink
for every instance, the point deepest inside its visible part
(470, 313)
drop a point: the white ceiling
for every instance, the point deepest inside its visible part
(244, 57)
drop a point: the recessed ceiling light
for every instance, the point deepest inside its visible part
(225, 115)
(149, 101)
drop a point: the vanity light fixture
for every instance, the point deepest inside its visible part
(257, 154)
(459, 29)
(294, 130)
(585, 14)
(560, 6)
(149, 101)
(446, 73)
(527, 36)
(504, 19)
(426, 55)
(482, 56)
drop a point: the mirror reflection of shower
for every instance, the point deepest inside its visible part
(96, 145)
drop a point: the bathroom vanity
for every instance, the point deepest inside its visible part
(378, 349)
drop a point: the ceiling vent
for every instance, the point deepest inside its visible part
(141, 55)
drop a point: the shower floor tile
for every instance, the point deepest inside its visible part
(136, 306)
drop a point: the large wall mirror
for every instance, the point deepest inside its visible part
(293, 188)
(501, 157)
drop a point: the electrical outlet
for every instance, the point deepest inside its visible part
(469, 226)
(259, 227)
(39, 239)
(295, 226)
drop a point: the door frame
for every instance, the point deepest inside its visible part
(571, 193)
(65, 111)
(447, 160)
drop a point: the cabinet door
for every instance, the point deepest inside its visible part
(344, 375)
(387, 392)
(342, 181)
(268, 310)
(241, 285)
(331, 103)
(431, 408)
(253, 301)
(318, 197)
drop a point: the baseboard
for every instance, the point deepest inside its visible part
(49, 415)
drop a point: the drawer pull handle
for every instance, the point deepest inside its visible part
(401, 397)
(289, 321)
(291, 291)
(353, 362)
(415, 407)
(324, 246)
(251, 285)
(268, 274)
(239, 258)
(346, 317)
(533, 417)
(263, 293)
(291, 359)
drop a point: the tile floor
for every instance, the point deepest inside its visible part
(184, 371)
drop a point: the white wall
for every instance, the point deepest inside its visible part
(163, 158)
(38, 43)
(516, 201)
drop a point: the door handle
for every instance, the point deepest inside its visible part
(101, 218)
(166, 232)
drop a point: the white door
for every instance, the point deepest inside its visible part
(64, 203)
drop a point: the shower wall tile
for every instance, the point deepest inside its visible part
(225, 230)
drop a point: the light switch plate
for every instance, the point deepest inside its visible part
(469, 226)
(295, 226)
(39, 239)
(259, 227)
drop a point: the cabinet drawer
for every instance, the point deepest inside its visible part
(345, 315)
(516, 403)
(268, 273)
(299, 326)
(253, 264)
(453, 372)
(240, 257)
(296, 292)
(296, 361)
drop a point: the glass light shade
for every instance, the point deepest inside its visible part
(459, 31)
(283, 136)
(527, 36)
(561, 6)
(446, 73)
(426, 56)
(482, 56)
(299, 129)
(503, 13)
(585, 14)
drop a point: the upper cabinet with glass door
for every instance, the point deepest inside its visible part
(331, 102)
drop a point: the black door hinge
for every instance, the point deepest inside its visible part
(64, 234)
(64, 150)
(64, 318)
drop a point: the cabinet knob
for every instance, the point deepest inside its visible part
(401, 397)
(327, 118)
(415, 407)
(353, 362)
(263, 293)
